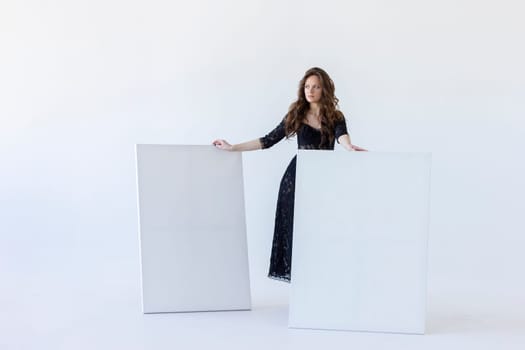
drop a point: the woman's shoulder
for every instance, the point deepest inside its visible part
(339, 116)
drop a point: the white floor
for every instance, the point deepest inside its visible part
(67, 303)
(76, 285)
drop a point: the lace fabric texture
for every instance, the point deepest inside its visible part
(307, 138)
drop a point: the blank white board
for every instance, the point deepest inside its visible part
(192, 229)
(360, 241)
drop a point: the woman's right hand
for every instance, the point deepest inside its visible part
(222, 144)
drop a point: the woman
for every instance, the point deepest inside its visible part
(318, 123)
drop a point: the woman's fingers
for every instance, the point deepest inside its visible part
(357, 148)
(221, 144)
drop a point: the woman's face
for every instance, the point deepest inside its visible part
(313, 89)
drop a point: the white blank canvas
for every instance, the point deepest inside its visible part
(360, 241)
(192, 229)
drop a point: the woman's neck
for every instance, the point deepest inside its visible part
(314, 109)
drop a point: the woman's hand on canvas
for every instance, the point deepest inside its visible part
(357, 148)
(222, 144)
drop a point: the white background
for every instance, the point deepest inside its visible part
(82, 81)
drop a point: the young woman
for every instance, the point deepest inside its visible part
(318, 123)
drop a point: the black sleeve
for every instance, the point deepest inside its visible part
(340, 129)
(273, 136)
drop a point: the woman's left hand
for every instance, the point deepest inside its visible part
(357, 148)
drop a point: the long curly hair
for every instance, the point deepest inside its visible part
(329, 111)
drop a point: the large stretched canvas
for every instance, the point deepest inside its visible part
(360, 241)
(192, 229)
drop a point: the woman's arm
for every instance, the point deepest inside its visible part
(341, 134)
(241, 147)
(345, 141)
(267, 141)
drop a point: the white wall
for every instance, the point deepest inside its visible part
(82, 81)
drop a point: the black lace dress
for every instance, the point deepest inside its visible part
(307, 138)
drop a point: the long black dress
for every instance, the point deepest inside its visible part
(307, 138)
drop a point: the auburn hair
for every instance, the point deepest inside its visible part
(329, 111)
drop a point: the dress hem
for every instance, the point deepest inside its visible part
(279, 278)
